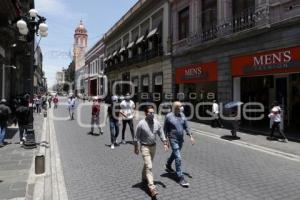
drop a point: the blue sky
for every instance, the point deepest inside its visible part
(63, 16)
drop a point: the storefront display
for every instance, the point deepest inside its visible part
(266, 77)
(197, 83)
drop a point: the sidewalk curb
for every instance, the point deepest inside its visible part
(33, 182)
(49, 185)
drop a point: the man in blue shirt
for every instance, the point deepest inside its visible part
(174, 127)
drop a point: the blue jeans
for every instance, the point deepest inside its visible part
(114, 130)
(3, 127)
(176, 146)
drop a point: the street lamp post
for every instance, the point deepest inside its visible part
(3, 78)
(30, 25)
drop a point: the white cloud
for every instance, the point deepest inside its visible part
(58, 9)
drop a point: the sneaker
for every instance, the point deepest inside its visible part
(285, 140)
(169, 169)
(112, 146)
(184, 183)
(123, 142)
(21, 142)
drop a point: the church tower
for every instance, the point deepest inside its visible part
(80, 46)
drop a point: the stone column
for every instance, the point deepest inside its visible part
(166, 27)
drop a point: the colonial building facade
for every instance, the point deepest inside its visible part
(138, 51)
(21, 74)
(245, 50)
(94, 70)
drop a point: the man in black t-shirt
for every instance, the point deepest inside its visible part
(23, 116)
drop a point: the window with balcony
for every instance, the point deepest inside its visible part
(209, 19)
(243, 12)
(183, 23)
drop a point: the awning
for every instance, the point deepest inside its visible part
(109, 57)
(152, 33)
(130, 45)
(105, 59)
(122, 49)
(140, 39)
(115, 53)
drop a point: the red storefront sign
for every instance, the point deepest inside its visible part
(197, 73)
(270, 62)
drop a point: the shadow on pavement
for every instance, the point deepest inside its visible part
(93, 134)
(230, 137)
(174, 177)
(143, 186)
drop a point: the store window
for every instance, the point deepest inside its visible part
(145, 84)
(183, 23)
(157, 87)
(135, 82)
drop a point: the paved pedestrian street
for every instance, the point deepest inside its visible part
(216, 169)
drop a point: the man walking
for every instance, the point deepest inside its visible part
(216, 115)
(127, 111)
(146, 132)
(49, 100)
(113, 112)
(71, 103)
(38, 102)
(96, 116)
(175, 125)
(275, 118)
(23, 115)
(4, 116)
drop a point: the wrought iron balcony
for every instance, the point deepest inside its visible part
(244, 20)
(138, 58)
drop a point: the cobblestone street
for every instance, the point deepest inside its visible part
(216, 169)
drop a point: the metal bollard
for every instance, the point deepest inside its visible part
(39, 164)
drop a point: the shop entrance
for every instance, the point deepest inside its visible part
(266, 90)
(257, 89)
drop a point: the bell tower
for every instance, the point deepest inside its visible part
(80, 46)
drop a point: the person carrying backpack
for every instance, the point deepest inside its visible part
(4, 116)
(23, 115)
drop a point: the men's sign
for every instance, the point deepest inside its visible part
(197, 73)
(270, 62)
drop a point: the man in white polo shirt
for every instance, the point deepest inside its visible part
(127, 112)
